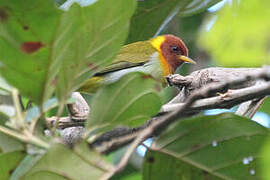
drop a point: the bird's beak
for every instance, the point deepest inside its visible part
(187, 59)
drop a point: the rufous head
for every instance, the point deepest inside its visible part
(173, 50)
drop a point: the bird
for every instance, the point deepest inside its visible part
(159, 57)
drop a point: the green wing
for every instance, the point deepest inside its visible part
(130, 55)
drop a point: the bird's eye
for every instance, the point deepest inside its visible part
(176, 49)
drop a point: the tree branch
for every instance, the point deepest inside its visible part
(156, 127)
(227, 100)
(236, 84)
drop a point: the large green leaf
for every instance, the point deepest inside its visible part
(11, 153)
(130, 101)
(129, 173)
(223, 146)
(8, 162)
(7, 109)
(6, 106)
(197, 6)
(3, 117)
(266, 106)
(28, 41)
(240, 34)
(36, 38)
(25, 165)
(90, 38)
(61, 162)
(160, 165)
(151, 16)
(5, 88)
(265, 161)
(9, 144)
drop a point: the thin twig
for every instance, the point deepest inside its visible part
(257, 107)
(20, 120)
(21, 102)
(226, 100)
(249, 108)
(13, 133)
(58, 114)
(25, 137)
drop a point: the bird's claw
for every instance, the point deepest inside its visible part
(169, 79)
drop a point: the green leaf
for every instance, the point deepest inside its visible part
(61, 162)
(91, 37)
(160, 165)
(223, 146)
(266, 106)
(6, 107)
(47, 175)
(25, 165)
(9, 144)
(36, 38)
(197, 6)
(3, 117)
(5, 88)
(29, 56)
(130, 101)
(265, 161)
(152, 16)
(11, 153)
(8, 162)
(129, 173)
(240, 34)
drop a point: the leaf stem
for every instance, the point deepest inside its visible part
(19, 120)
(59, 112)
(13, 133)
(36, 141)
(25, 137)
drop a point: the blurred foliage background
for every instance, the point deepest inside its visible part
(238, 34)
(230, 33)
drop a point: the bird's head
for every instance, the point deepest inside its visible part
(172, 52)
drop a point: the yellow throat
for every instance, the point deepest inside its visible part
(156, 43)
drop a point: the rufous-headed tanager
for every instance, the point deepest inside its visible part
(159, 57)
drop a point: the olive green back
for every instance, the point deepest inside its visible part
(130, 55)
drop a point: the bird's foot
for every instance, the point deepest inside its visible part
(178, 80)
